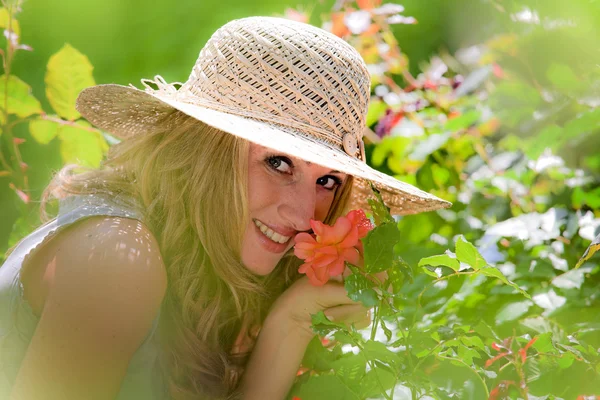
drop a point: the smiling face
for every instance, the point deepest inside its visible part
(284, 193)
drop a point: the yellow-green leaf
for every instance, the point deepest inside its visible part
(43, 131)
(591, 250)
(68, 73)
(82, 144)
(20, 100)
(5, 19)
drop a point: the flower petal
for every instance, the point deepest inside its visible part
(337, 233)
(351, 239)
(337, 268)
(351, 255)
(324, 260)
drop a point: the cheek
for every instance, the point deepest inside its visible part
(323, 205)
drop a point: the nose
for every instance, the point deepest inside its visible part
(298, 205)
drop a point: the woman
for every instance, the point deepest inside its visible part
(169, 272)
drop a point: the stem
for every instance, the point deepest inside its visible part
(375, 321)
(372, 365)
(487, 393)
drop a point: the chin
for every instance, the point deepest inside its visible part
(261, 269)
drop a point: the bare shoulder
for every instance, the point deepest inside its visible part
(105, 281)
(113, 255)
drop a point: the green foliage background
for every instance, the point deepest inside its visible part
(488, 299)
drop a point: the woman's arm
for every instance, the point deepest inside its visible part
(275, 359)
(286, 333)
(106, 282)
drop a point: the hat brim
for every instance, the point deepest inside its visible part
(126, 111)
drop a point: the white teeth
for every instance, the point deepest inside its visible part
(271, 234)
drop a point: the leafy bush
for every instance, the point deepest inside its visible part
(484, 300)
(511, 317)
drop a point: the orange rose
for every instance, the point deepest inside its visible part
(326, 252)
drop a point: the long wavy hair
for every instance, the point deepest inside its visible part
(190, 181)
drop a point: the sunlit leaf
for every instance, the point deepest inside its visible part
(381, 212)
(467, 253)
(323, 326)
(440, 260)
(544, 344)
(68, 73)
(375, 380)
(43, 131)
(82, 145)
(463, 121)
(360, 289)
(20, 99)
(5, 21)
(589, 253)
(496, 273)
(513, 311)
(350, 369)
(563, 77)
(379, 247)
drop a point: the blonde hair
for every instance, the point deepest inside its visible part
(173, 174)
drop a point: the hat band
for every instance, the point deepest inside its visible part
(309, 131)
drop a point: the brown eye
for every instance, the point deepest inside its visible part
(329, 182)
(279, 164)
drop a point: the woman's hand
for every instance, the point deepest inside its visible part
(295, 306)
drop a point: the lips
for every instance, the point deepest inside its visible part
(275, 233)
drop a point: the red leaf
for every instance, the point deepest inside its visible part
(493, 360)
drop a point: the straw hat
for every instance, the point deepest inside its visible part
(278, 83)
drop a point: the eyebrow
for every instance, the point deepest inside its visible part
(333, 171)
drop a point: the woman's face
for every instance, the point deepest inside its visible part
(284, 193)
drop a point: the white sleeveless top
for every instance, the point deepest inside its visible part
(18, 322)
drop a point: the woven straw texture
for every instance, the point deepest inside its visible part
(278, 83)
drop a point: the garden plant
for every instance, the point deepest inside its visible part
(497, 297)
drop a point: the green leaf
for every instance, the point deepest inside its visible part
(440, 260)
(543, 343)
(377, 351)
(68, 73)
(566, 360)
(551, 136)
(467, 354)
(381, 212)
(43, 131)
(5, 21)
(82, 145)
(360, 289)
(473, 341)
(513, 311)
(386, 330)
(496, 273)
(563, 77)
(350, 368)
(20, 100)
(324, 387)
(467, 253)
(323, 326)
(379, 247)
(463, 121)
(375, 382)
(585, 123)
(591, 250)
(317, 357)
(376, 109)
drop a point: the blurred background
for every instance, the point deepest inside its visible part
(491, 104)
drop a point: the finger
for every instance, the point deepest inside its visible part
(334, 294)
(346, 313)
